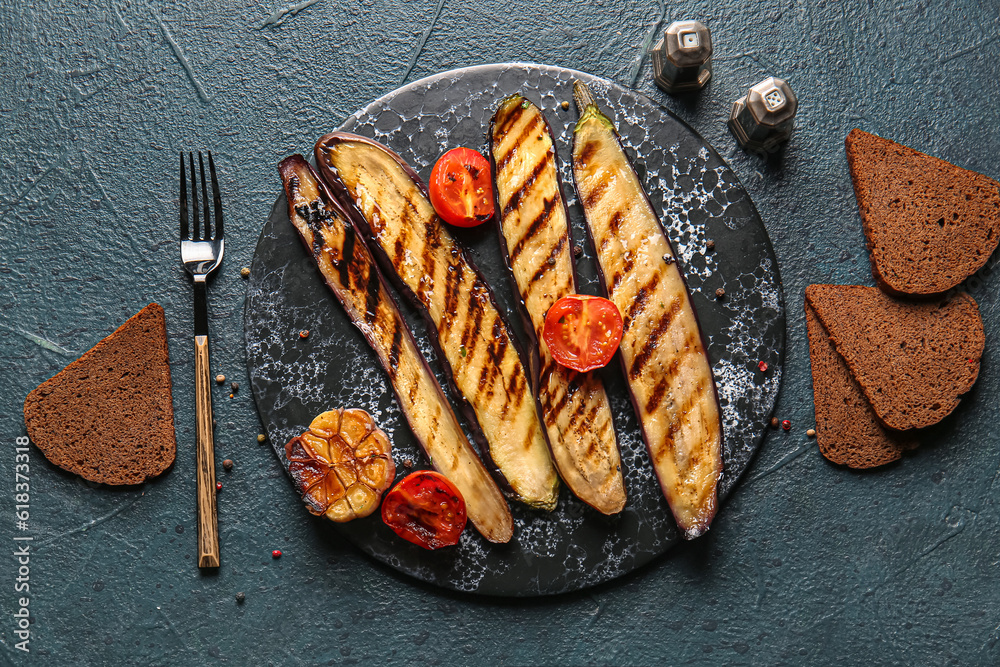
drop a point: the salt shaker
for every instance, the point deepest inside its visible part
(764, 118)
(682, 60)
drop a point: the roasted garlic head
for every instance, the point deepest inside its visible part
(341, 465)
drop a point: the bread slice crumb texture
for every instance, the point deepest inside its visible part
(108, 416)
(847, 430)
(912, 360)
(929, 224)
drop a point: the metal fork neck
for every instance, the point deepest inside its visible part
(200, 307)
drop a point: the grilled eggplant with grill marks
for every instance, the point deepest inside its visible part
(535, 238)
(350, 272)
(391, 208)
(662, 350)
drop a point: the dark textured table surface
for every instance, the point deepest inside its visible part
(809, 563)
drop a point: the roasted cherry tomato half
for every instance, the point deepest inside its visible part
(582, 332)
(462, 188)
(426, 509)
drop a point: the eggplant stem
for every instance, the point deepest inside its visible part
(582, 96)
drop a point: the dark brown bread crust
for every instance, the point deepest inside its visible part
(109, 416)
(847, 431)
(929, 224)
(912, 360)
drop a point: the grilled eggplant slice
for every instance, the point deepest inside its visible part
(350, 272)
(535, 238)
(662, 350)
(391, 208)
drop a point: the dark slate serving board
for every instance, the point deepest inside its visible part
(699, 199)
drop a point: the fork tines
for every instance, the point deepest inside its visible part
(200, 234)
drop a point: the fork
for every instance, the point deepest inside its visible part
(201, 252)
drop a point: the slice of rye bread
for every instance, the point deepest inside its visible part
(109, 415)
(912, 359)
(929, 224)
(847, 430)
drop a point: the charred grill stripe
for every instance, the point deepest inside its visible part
(487, 371)
(346, 255)
(693, 397)
(534, 227)
(507, 122)
(529, 440)
(413, 390)
(356, 284)
(588, 421)
(432, 240)
(641, 297)
(499, 347)
(397, 252)
(436, 417)
(577, 413)
(627, 266)
(602, 431)
(543, 376)
(454, 277)
(515, 199)
(615, 223)
(658, 392)
(470, 336)
(654, 338)
(397, 339)
(496, 350)
(666, 447)
(587, 153)
(596, 193)
(571, 388)
(515, 392)
(525, 131)
(549, 264)
(487, 375)
(374, 294)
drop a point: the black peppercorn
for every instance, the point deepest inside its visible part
(240, 597)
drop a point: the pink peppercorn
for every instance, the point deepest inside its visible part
(787, 424)
(276, 553)
(762, 366)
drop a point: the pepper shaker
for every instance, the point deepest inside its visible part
(764, 118)
(682, 60)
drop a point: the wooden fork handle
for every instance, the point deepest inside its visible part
(208, 529)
